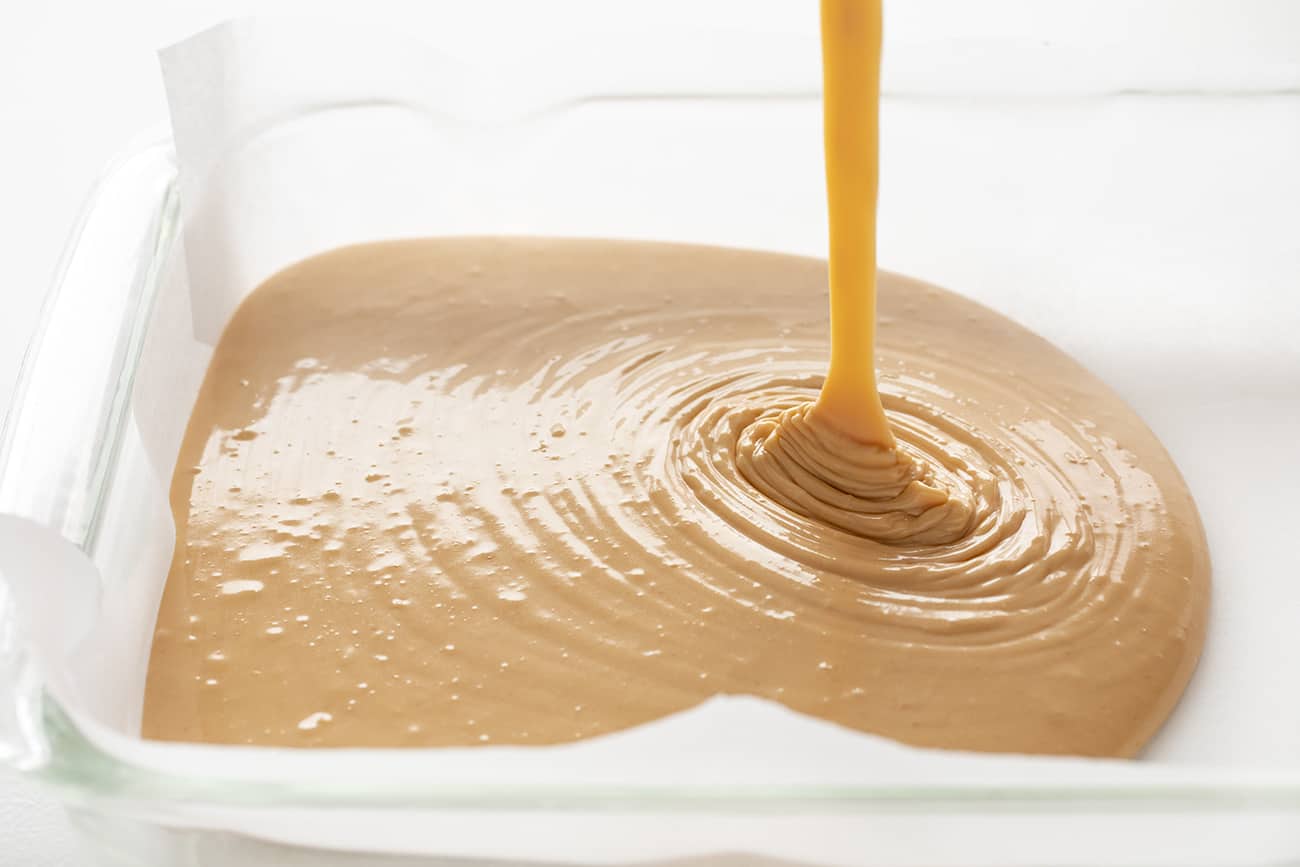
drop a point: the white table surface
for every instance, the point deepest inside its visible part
(78, 78)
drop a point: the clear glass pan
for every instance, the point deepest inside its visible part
(1049, 209)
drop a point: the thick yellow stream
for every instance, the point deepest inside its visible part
(849, 400)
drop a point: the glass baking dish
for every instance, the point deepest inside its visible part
(1005, 198)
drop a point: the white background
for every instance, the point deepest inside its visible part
(78, 79)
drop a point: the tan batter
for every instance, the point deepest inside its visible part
(476, 491)
(503, 491)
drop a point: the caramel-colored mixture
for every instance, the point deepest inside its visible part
(504, 491)
(511, 491)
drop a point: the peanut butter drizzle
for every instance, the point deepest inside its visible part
(851, 37)
(835, 458)
(493, 491)
(455, 492)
